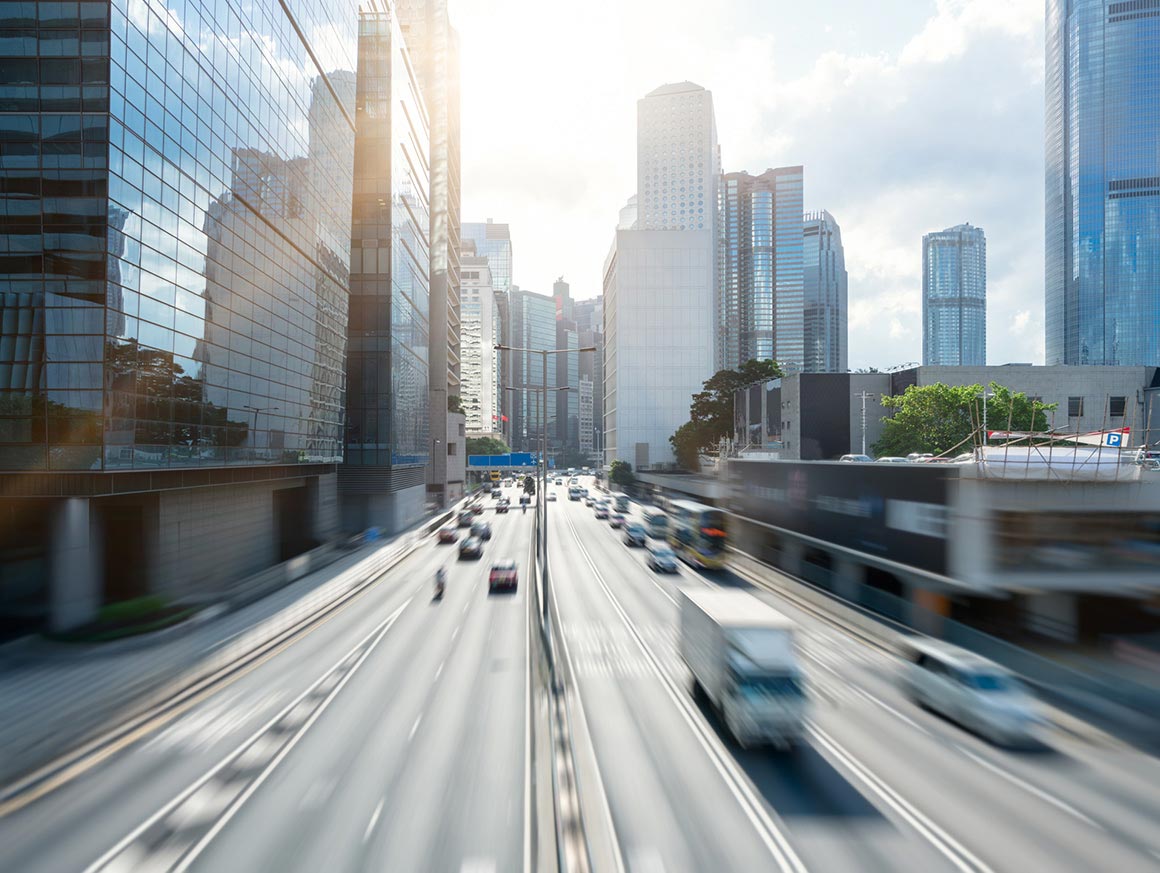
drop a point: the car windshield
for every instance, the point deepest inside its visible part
(770, 685)
(992, 682)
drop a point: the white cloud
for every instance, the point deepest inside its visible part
(1020, 322)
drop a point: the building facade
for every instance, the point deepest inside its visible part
(389, 441)
(532, 326)
(493, 241)
(477, 342)
(589, 316)
(433, 47)
(954, 297)
(173, 297)
(761, 282)
(1102, 183)
(826, 308)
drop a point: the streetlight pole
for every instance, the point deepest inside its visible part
(987, 392)
(864, 395)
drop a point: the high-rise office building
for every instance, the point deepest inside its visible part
(1102, 183)
(173, 296)
(825, 295)
(589, 318)
(389, 442)
(477, 342)
(760, 286)
(660, 278)
(954, 297)
(493, 241)
(531, 326)
(433, 46)
(566, 438)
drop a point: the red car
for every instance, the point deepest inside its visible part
(503, 576)
(448, 535)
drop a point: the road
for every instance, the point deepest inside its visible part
(394, 736)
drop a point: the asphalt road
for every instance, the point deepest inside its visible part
(394, 737)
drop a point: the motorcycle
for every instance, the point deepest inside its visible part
(440, 584)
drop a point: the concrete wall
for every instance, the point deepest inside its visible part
(74, 577)
(391, 511)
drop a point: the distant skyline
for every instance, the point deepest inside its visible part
(906, 114)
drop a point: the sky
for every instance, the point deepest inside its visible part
(909, 116)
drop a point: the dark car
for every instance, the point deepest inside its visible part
(466, 518)
(616, 520)
(503, 576)
(482, 530)
(472, 547)
(635, 534)
(477, 509)
(448, 535)
(503, 505)
(602, 512)
(662, 559)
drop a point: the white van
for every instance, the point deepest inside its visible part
(967, 688)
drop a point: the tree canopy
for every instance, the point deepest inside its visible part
(620, 473)
(711, 411)
(940, 418)
(486, 446)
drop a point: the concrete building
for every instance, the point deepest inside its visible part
(826, 306)
(477, 342)
(954, 297)
(818, 416)
(171, 330)
(389, 441)
(433, 46)
(1102, 183)
(761, 283)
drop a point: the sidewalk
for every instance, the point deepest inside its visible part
(55, 696)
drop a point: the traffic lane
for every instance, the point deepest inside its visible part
(831, 821)
(352, 775)
(96, 809)
(671, 807)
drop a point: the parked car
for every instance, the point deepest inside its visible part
(503, 575)
(919, 457)
(448, 535)
(472, 547)
(969, 689)
(616, 520)
(661, 558)
(890, 459)
(856, 459)
(635, 534)
(482, 530)
(466, 518)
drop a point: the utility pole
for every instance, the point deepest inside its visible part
(864, 395)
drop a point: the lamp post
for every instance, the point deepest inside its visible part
(864, 395)
(541, 502)
(987, 392)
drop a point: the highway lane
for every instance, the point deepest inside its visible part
(73, 826)
(1068, 806)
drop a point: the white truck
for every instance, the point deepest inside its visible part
(742, 655)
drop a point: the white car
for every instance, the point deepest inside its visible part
(856, 459)
(969, 689)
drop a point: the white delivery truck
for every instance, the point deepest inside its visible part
(741, 653)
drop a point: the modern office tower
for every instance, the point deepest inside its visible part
(531, 325)
(826, 312)
(477, 340)
(493, 241)
(761, 281)
(660, 278)
(954, 297)
(589, 318)
(565, 439)
(173, 298)
(388, 438)
(1102, 183)
(433, 45)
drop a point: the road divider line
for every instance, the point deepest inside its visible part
(738, 783)
(414, 727)
(374, 820)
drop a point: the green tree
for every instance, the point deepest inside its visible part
(940, 418)
(620, 473)
(486, 446)
(711, 412)
(454, 404)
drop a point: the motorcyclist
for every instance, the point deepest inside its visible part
(440, 581)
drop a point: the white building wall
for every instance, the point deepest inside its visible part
(477, 341)
(659, 345)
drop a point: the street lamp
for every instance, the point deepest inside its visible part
(542, 502)
(987, 392)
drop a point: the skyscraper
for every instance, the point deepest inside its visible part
(477, 341)
(1102, 183)
(493, 241)
(954, 297)
(433, 45)
(389, 442)
(531, 325)
(173, 294)
(826, 313)
(660, 278)
(760, 286)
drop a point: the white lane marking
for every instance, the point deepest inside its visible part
(1031, 789)
(645, 860)
(947, 845)
(477, 865)
(527, 735)
(455, 632)
(414, 727)
(367, 644)
(374, 821)
(439, 672)
(735, 780)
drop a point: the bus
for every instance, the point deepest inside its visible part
(697, 533)
(656, 523)
(496, 475)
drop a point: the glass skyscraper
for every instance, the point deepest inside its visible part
(954, 297)
(531, 325)
(1103, 182)
(761, 270)
(825, 287)
(493, 241)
